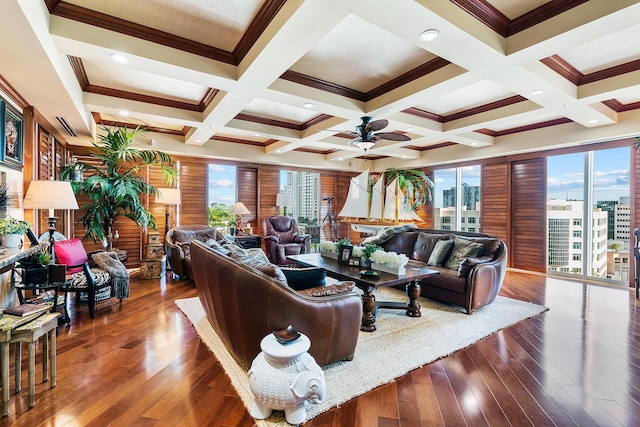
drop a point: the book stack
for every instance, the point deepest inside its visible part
(24, 310)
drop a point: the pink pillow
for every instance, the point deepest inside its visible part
(70, 252)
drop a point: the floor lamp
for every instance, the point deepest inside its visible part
(50, 195)
(168, 197)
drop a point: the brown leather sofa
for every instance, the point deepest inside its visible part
(177, 244)
(281, 239)
(244, 304)
(472, 283)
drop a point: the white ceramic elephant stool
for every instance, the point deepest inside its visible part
(283, 377)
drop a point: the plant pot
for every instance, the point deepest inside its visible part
(32, 276)
(11, 240)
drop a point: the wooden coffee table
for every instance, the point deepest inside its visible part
(415, 271)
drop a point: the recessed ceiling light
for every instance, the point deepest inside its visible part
(278, 151)
(429, 35)
(256, 134)
(123, 113)
(537, 92)
(474, 144)
(340, 158)
(409, 129)
(198, 140)
(593, 121)
(307, 105)
(119, 58)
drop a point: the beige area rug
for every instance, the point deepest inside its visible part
(409, 342)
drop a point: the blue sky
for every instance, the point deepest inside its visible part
(565, 175)
(222, 184)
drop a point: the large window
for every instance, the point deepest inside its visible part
(453, 212)
(588, 214)
(222, 194)
(303, 194)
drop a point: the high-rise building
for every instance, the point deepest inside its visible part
(470, 196)
(566, 239)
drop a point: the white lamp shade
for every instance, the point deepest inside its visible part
(239, 208)
(284, 199)
(50, 195)
(168, 196)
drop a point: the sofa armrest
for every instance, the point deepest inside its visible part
(273, 239)
(301, 238)
(485, 280)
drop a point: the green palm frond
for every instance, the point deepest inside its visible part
(415, 185)
(114, 189)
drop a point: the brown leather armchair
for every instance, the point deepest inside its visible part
(177, 243)
(281, 239)
(243, 305)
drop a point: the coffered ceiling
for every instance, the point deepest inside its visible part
(284, 81)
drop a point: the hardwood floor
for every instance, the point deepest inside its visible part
(142, 364)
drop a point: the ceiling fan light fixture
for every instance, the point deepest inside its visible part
(429, 35)
(365, 145)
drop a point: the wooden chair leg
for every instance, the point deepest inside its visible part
(32, 374)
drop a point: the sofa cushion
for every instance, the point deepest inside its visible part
(468, 263)
(424, 245)
(183, 236)
(489, 245)
(462, 248)
(440, 252)
(322, 291)
(402, 243)
(447, 279)
(304, 278)
(267, 268)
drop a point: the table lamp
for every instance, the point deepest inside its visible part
(239, 209)
(284, 200)
(50, 195)
(168, 197)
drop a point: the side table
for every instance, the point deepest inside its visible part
(43, 287)
(248, 242)
(283, 377)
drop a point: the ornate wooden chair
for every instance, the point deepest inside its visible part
(95, 283)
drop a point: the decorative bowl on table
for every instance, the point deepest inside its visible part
(286, 335)
(369, 273)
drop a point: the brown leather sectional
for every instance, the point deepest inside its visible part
(244, 304)
(471, 285)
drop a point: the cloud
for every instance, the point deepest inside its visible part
(219, 168)
(221, 183)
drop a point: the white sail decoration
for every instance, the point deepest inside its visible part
(376, 199)
(361, 205)
(357, 204)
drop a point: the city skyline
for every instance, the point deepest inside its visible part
(565, 175)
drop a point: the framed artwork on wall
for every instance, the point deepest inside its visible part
(12, 153)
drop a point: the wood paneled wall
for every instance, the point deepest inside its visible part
(495, 201)
(194, 193)
(268, 186)
(248, 194)
(527, 241)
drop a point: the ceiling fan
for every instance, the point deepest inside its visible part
(366, 136)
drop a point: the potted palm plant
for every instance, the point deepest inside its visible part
(114, 186)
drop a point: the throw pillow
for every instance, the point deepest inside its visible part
(468, 263)
(183, 236)
(304, 278)
(425, 244)
(440, 252)
(462, 248)
(266, 268)
(323, 291)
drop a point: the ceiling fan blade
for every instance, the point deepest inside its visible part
(377, 124)
(392, 136)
